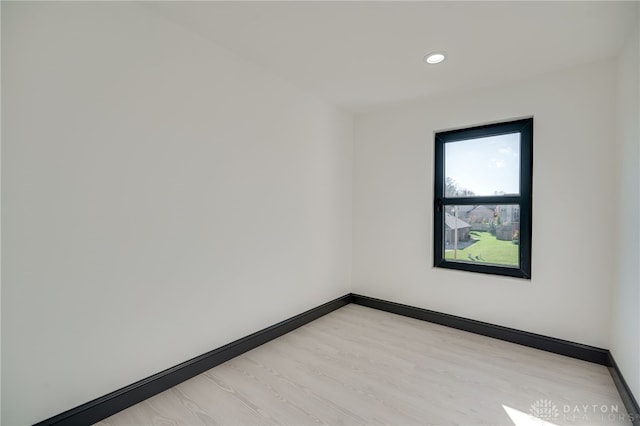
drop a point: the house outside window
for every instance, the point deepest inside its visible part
(483, 195)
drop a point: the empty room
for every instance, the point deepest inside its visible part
(320, 212)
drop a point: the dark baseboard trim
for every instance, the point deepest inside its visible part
(549, 344)
(106, 406)
(112, 403)
(626, 395)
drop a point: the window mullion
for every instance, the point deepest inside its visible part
(469, 201)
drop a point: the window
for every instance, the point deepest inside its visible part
(482, 208)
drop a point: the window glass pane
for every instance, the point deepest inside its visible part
(483, 234)
(483, 166)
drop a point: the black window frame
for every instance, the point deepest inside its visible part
(524, 199)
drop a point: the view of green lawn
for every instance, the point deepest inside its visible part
(487, 249)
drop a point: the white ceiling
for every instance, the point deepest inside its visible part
(363, 55)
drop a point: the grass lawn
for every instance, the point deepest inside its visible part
(487, 249)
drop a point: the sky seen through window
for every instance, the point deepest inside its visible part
(485, 166)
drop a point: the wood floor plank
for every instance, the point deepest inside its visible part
(358, 366)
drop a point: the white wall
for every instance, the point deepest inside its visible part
(625, 330)
(0, 227)
(574, 207)
(161, 198)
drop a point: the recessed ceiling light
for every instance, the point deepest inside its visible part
(435, 57)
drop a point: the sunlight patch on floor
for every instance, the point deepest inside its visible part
(523, 419)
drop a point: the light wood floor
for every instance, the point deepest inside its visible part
(363, 366)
